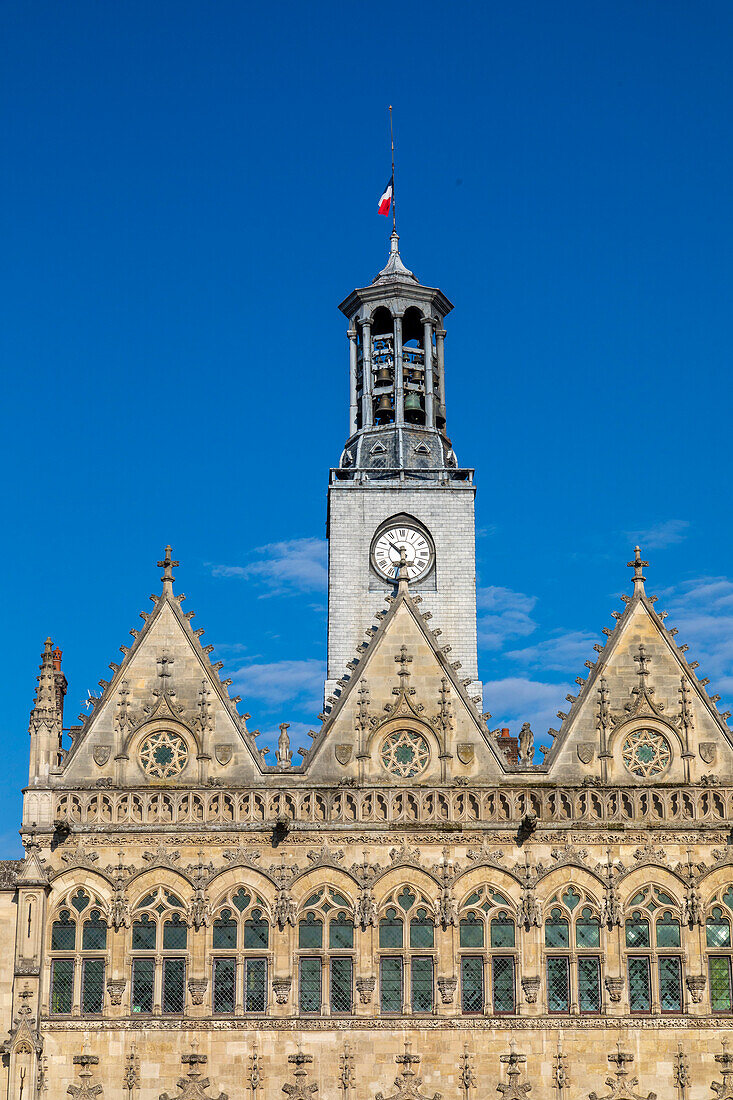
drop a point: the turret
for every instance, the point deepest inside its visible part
(46, 720)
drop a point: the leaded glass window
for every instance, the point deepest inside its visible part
(390, 930)
(92, 985)
(557, 930)
(62, 986)
(256, 931)
(670, 984)
(143, 934)
(63, 932)
(558, 984)
(587, 930)
(637, 931)
(224, 934)
(94, 933)
(502, 983)
(472, 984)
(720, 983)
(310, 985)
(640, 986)
(471, 931)
(175, 934)
(502, 931)
(717, 929)
(390, 984)
(341, 933)
(422, 930)
(422, 983)
(310, 932)
(225, 972)
(589, 984)
(143, 979)
(341, 983)
(668, 931)
(255, 985)
(174, 984)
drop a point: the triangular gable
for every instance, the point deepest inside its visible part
(165, 674)
(641, 681)
(403, 663)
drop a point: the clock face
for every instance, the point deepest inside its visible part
(386, 552)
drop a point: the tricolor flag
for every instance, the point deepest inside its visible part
(385, 202)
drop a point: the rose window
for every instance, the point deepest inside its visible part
(163, 754)
(646, 753)
(404, 753)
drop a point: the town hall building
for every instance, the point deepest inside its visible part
(414, 904)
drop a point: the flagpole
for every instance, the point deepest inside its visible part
(394, 203)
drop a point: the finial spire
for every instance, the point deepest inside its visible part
(637, 565)
(168, 565)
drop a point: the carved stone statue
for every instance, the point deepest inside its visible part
(526, 744)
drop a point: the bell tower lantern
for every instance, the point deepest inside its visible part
(398, 484)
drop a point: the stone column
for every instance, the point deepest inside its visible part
(399, 384)
(440, 350)
(427, 328)
(367, 411)
(352, 381)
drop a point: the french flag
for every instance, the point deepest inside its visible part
(385, 202)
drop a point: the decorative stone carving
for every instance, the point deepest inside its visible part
(325, 856)
(162, 857)
(301, 1090)
(343, 753)
(346, 1076)
(560, 1076)
(513, 1090)
(530, 988)
(407, 1082)
(285, 911)
(86, 1090)
(708, 751)
(586, 751)
(526, 744)
(194, 1086)
(365, 988)
(100, 754)
(365, 910)
(466, 1076)
(447, 988)
(724, 1090)
(131, 1076)
(614, 988)
(621, 1089)
(281, 989)
(696, 984)
(197, 988)
(115, 990)
(681, 1072)
(79, 857)
(404, 855)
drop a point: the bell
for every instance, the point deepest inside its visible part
(384, 408)
(383, 377)
(412, 404)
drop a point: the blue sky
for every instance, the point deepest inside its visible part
(188, 191)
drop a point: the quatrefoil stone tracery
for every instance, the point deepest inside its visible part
(404, 753)
(646, 753)
(163, 754)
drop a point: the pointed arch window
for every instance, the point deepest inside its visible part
(718, 942)
(652, 934)
(326, 973)
(572, 953)
(486, 937)
(407, 953)
(159, 945)
(78, 957)
(240, 941)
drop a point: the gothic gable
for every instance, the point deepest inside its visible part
(165, 717)
(403, 716)
(643, 715)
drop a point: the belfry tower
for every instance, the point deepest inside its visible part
(398, 484)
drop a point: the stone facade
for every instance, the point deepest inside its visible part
(402, 908)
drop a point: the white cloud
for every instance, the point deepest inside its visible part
(278, 682)
(702, 611)
(563, 653)
(660, 535)
(503, 614)
(295, 565)
(516, 699)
